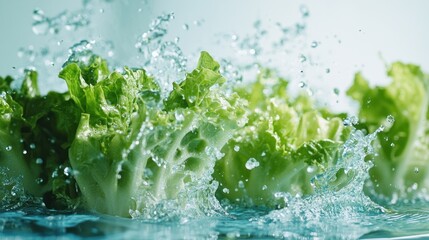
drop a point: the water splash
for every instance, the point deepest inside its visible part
(65, 20)
(339, 197)
(12, 193)
(162, 59)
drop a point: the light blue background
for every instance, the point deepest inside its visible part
(394, 30)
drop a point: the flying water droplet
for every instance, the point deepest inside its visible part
(304, 11)
(311, 169)
(236, 148)
(353, 120)
(336, 91)
(252, 163)
(314, 44)
(39, 161)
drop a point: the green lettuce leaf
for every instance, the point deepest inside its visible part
(285, 143)
(401, 163)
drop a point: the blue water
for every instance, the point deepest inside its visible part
(410, 222)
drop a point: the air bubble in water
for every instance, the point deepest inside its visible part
(185, 26)
(8, 148)
(236, 148)
(252, 163)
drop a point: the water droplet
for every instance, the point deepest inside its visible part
(24, 152)
(39, 161)
(139, 10)
(185, 27)
(40, 28)
(179, 117)
(353, 120)
(252, 51)
(302, 84)
(234, 37)
(302, 58)
(236, 148)
(390, 119)
(416, 170)
(225, 190)
(155, 54)
(240, 184)
(264, 187)
(279, 194)
(328, 70)
(394, 198)
(311, 169)
(197, 22)
(101, 10)
(68, 171)
(39, 180)
(252, 163)
(38, 14)
(304, 11)
(314, 44)
(8, 148)
(336, 91)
